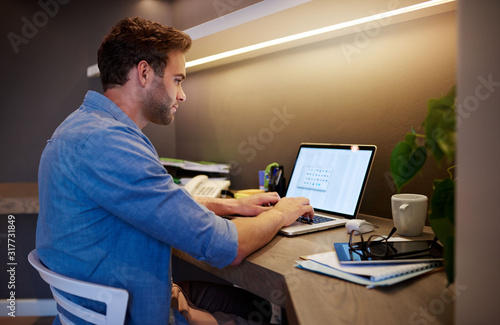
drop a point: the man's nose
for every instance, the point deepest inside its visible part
(181, 96)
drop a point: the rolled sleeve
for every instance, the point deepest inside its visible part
(224, 247)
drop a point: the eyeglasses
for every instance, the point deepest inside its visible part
(379, 247)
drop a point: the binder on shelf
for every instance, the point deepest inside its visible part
(179, 168)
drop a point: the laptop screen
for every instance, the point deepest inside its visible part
(333, 177)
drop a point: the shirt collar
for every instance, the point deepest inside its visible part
(101, 102)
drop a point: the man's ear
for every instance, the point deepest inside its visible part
(144, 73)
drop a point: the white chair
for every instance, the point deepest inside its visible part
(115, 299)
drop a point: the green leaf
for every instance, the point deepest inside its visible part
(440, 127)
(441, 219)
(411, 139)
(406, 162)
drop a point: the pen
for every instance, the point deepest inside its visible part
(277, 178)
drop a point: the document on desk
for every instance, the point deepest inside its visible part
(370, 276)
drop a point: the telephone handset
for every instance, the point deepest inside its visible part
(201, 185)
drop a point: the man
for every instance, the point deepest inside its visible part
(109, 212)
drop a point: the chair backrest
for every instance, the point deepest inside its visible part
(115, 299)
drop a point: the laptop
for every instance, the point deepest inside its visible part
(333, 177)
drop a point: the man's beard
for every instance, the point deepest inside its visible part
(158, 105)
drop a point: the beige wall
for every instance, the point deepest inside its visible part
(258, 111)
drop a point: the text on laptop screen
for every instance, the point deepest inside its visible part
(332, 178)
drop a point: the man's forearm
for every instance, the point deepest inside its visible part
(220, 207)
(253, 233)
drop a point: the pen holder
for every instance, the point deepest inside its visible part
(276, 180)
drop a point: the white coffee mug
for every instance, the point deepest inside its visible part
(409, 212)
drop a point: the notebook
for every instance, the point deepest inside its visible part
(333, 177)
(373, 273)
(369, 276)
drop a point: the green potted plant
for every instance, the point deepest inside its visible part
(409, 156)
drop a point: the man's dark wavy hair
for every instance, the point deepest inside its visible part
(135, 39)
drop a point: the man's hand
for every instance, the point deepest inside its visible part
(245, 206)
(253, 233)
(256, 204)
(293, 208)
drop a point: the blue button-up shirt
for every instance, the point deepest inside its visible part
(110, 213)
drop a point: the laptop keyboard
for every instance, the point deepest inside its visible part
(315, 220)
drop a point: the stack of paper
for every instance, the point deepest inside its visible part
(368, 275)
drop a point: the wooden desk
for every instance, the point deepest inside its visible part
(311, 298)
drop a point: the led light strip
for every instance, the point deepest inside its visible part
(317, 31)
